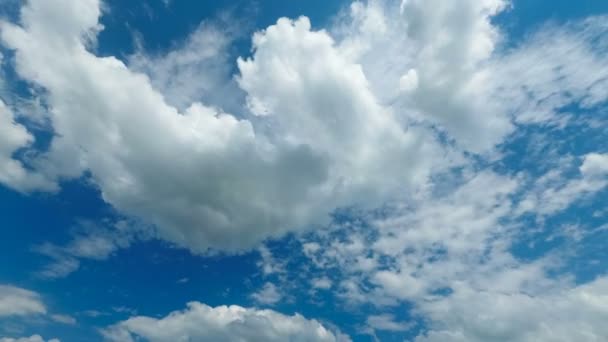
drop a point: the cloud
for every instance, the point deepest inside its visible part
(15, 301)
(448, 67)
(33, 338)
(323, 283)
(13, 173)
(575, 314)
(91, 242)
(64, 319)
(371, 112)
(269, 294)
(558, 188)
(198, 69)
(447, 251)
(557, 66)
(203, 323)
(386, 322)
(595, 165)
(410, 68)
(207, 179)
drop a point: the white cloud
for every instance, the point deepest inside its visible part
(64, 319)
(199, 69)
(269, 294)
(33, 338)
(224, 323)
(92, 242)
(576, 314)
(557, 190)
(15, 301)
(206, 178)
(427, 60)
(447, 252)
(595, 165)
(452, 40)
(340, 118)
(13, 173)
(556, 66)
(323, 283)
(387, 322)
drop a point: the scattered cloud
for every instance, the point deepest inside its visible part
(13, 173)
(387, 322)
(91, 242)
(33, 338)
(269, 294)
(64, 319)
(16, 301)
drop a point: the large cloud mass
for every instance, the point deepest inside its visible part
(204, 177)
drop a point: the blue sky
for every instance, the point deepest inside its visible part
(303, 170)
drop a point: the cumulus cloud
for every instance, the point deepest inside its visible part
(15, 301)
(575, 314)
(33, 338)
(422, 51)
(470, 66)
(453, 39)
(224, 323)
(368, 113)
(204, 177)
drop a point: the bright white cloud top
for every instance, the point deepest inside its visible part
(200, 322)
(396, 112)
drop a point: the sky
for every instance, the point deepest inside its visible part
(319, 170)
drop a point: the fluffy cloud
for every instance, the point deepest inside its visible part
(33, 338)
(452, 40)
(203, 323)
(347, 116)
(13, 137)
(430, 50)
(447, 251)
(15, 301)
(206, 178)
(575, 314)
